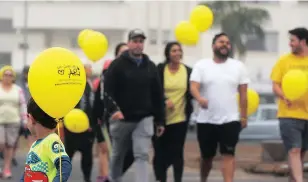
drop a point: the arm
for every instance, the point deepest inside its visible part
(276, 77)
(110, 88)
(66, 169)
(98, 105)
(57, 152)
(158, 98)
(242, 89)
(22, 107)
(195, 90)
(195, 80)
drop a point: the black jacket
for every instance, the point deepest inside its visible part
(134, 89)
(189, 106)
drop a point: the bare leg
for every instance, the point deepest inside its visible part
(8, 155)
(296, 165)
(205, 168)
(103, 159)
(228, 167)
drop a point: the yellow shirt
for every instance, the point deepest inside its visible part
(175, 85)
(42, 156)
(298, 108)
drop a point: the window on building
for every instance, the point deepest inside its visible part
(153, 36)
(268, 44)
(166, 36)
(6, 26)
(5, 59)
(261, 2)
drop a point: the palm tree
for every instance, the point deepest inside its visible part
(238, 21)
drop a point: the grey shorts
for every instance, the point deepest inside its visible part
(9, 134)
(294, 133)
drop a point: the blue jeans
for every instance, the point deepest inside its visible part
(126, 135)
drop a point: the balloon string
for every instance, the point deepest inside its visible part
(59, 148)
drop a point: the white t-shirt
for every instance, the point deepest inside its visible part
(219, 84)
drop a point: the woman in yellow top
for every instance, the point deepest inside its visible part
(169, 148)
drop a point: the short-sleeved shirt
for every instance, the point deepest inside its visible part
(219, 84)
(41, 159)
(298, 108)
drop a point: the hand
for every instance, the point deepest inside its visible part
(169, 104)
(286, 101)
(244, 123)
(203, 102)
(90, 129)
(160, 131)
(117, 116)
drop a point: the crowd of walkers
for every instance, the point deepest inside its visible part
(138, 105)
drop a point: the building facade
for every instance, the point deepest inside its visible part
(26, 28)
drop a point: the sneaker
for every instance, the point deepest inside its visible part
(14, 162)
(102, 179)
(6, 174)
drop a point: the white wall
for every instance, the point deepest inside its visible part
(140, 14)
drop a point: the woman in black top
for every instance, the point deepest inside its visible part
(169, 148)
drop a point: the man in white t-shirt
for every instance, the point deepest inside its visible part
(215, 84)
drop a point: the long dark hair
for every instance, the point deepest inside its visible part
(168, 47)
(118, 47)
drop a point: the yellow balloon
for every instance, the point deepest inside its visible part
(57, 81)
(294, 84)
(95, 46)
(82, 35)
(202, 18)
(253, 101)
(186, 33)
(76, 121)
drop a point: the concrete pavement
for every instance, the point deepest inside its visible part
(189, 176)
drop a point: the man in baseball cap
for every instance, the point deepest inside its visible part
(136, 33)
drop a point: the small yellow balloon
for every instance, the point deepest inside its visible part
(76, 121)
(253, 101)
(82, 35)
(57, 80)
(95, 46)
(186, 33)
(294, 84)
(202, 18)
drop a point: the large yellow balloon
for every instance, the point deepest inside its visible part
(294, 84)
(253, 101)
(186, 33)
(202, 18)
(57, 81)
(95, 45)
(82, 35)
(76, 121)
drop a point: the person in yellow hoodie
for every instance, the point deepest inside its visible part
(293, 115)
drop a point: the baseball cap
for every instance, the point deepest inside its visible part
(136, 33)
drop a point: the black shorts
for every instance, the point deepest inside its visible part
(210, 135)
(24, 132)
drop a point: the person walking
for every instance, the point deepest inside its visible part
(134, 100)
(293, 115)
(99, 114)
(83, 142)
(12, 112)
(215, 84)
(169, 148)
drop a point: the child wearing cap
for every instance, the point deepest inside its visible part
(47, 160)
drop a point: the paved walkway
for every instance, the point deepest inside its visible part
(191, 175)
